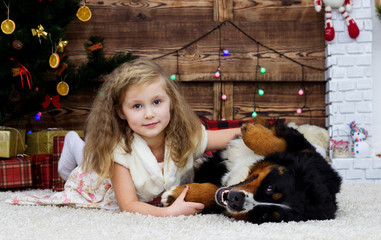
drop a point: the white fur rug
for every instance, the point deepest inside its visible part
(359, 217)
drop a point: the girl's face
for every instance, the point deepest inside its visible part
(147, 110)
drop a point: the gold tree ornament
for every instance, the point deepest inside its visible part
(61, 45)
(39, 32)
(54, 60)
(8, 26)
(62, 88)
(84, 13)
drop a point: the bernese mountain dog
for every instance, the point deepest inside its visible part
(270, 174)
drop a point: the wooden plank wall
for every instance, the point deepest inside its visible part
(153, 28)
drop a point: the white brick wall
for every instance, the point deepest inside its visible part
(349, 90)
(358, 170)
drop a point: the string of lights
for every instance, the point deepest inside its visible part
(261, 69)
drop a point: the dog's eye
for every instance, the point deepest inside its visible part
(269, 189)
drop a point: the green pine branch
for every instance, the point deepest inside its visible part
(34, 55)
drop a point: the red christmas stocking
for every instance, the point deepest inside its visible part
(353, 30)
(329, 32)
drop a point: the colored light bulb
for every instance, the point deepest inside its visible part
(37, 117)
(223, 119)
(217, 74)
(262, 70)
(225, 52)
(254, 114)
(261, 92)
(224, 97)
(301, 92)
(173, 77)
(299, 111)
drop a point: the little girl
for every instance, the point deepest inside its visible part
(141, 139)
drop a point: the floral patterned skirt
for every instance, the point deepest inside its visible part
(81, 190)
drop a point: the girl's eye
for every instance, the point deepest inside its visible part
(137, 106)
(156, 102)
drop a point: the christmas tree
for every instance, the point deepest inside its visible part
(33, 58)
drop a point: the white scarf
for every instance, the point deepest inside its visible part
(149, 179)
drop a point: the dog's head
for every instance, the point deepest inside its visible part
(265, 196)
(284, 187)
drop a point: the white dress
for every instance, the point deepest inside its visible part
(150, 180)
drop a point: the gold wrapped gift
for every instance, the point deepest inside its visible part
(42, 142)
(12, 142)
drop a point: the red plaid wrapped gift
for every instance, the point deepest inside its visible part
(16, 172)
(219, 124)
(58, 143)
(58, 182)
(41, 170)
(45, 175)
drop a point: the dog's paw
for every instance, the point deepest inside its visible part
(261, 140)
(169, 196)
(197, 192)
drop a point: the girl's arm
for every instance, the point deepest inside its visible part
(218, 139)
(128, 201)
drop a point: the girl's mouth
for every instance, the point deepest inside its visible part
(150, 125)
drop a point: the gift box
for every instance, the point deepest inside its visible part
(58, 143)
(44, 172)
(42, 142)
(16, 172)
(45, 167)
(12, 142)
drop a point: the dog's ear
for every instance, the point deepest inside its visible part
(301, 166)
(316, 183)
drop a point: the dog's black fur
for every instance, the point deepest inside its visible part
(299, 184)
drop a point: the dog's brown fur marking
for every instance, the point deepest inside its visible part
(276, 215)
(261, 171)
(277, 196)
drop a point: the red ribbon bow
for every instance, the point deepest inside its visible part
(22, 69)
(55, 101)
(337, 143)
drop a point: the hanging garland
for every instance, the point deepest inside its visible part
(258, 68)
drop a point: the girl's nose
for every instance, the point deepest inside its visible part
(149, 113)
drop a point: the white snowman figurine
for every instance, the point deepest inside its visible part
(360, 146)
(329, 32)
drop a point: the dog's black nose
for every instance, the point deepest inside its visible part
(236, 200)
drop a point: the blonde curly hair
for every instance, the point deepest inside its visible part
(105, 129)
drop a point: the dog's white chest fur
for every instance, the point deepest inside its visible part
(238, 158)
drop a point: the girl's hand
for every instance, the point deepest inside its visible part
(181, 207)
